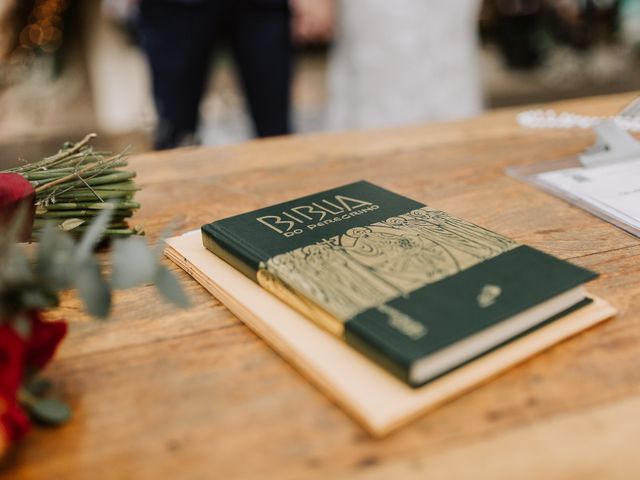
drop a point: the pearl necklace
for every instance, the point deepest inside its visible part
(627, 119)
(553, 119)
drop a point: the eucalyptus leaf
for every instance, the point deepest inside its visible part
(55, 254)
(38, 298)
(16, 268)
(48, 241)
(134, 263)
(166, 233)
(92, 287)
(93, 234)
(49, 411)
(38, 386)
(170, 288)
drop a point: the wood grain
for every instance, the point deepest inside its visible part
(194, 394)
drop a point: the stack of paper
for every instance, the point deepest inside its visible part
(613, 189)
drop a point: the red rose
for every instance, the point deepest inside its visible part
(44, 339)
(12, 352)
(13, 420)
(15, 190)
(16, 355)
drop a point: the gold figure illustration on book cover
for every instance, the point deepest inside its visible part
(367, 266)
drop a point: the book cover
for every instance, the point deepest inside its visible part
(398, 280)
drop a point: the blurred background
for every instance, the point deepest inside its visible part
(68, 67)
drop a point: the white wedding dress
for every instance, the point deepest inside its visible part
(396, 62)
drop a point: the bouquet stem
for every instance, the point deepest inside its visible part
(76, 183)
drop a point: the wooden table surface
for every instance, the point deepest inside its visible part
(193, 394)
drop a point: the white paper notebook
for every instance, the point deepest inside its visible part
(376, 399)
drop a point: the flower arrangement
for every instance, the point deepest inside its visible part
(32, 277)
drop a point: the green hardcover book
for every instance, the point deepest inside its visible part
(415, 289)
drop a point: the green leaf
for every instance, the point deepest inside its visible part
(38, 386)
(15, 268)
(54, 259)
(166, 233)
(170, 288)
(134, 263)
(93, 234)
(92, 288)
(49, 411)
(38, 297)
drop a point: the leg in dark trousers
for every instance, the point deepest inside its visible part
(261, 43)
(178, 39)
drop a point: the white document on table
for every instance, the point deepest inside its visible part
(614, 189)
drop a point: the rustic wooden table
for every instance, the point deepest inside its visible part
(159, 392)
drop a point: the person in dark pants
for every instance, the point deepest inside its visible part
(179, 38)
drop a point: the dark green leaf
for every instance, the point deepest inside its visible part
(49, 411)
(37, 298)
(38, 386)
(170, 288)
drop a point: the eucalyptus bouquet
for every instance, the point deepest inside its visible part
(31, 280)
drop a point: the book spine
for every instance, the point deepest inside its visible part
(232, 250)
(245, 259)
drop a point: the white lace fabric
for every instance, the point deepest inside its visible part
(403, 61)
